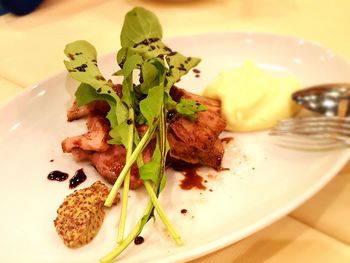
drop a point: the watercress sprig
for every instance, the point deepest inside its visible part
(145, 100)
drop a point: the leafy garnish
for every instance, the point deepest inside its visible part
(189, 108)
(144, 101)
(139, 25)
(82, 66)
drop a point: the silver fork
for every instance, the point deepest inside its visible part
(313, 132)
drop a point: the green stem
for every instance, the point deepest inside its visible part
(127, 166)
(126, 184)
(162, 214)
(131, 236)
(163, 145)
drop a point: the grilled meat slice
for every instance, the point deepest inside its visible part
(110, 163)
(96, 108)
(94, 140)
(183, 151)
(197, 141)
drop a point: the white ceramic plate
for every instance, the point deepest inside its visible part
(264, 183)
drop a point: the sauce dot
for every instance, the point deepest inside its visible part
(139, 240)
(183, 211)
(57, 176)
(77, 179)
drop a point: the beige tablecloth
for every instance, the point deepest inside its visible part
(31, 49)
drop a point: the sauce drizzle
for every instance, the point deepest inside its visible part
(192, 180)
(57, 176)
(77, 179)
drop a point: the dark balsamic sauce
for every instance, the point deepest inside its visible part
(77, 179)
(171, 115)
(183, 211)
(139, 240)
(192, 180)
(57, 176)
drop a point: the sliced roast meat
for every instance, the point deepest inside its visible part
(110, 163)
(194, 133)
(94, 140)
(197, 141)
(95, 108)
(80, 155)
(186, 152)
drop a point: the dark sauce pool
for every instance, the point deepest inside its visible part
(191, 177)
(57, 176)
(192, 180)
(77, 179)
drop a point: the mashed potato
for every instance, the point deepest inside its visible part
(252, 99)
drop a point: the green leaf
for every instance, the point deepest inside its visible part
(119, 134)
(151, 170)
(162, 183)
(151, 49)
(82, 66)
(189, 108)
(153, 74)
(86, 94)
(121, 112)
(111, 115)
(130, 64)
(150, 106)
(139, 25)
(179, 65)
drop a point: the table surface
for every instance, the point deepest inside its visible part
(31, 48)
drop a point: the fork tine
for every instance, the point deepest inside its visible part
(328, 119)
(314, 121)
(322, 132)
(306, 143)
(312, 126)
(313, 131)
